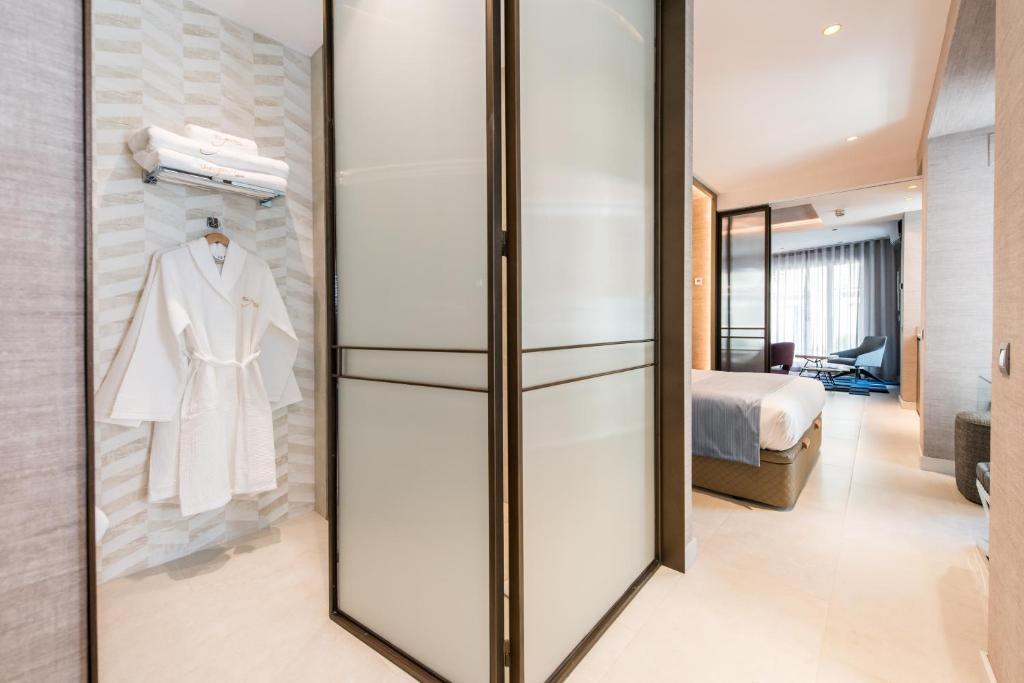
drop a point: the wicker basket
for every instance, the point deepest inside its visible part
(971, 446)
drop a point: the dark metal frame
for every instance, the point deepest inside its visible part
(91, 551)
(720, 298)
(673, 303)
(495, 388)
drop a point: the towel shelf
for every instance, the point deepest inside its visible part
(265, 196)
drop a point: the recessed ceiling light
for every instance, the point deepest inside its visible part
(853, 138)
(832, 29)
(911, 187)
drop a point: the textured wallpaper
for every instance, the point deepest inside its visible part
(169, 63)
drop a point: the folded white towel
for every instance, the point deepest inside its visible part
(225, 141)
(169, 158)
(152, 138)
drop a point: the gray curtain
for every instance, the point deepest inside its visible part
(878, 313)
(828, 299)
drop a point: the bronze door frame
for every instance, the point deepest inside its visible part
(719, 290)
(495, 390)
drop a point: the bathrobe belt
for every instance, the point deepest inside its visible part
(210, 360)
(209, 472)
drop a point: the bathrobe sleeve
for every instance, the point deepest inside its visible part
(279, 347)
(146, 379)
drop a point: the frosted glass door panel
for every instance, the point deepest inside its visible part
(587, 179)
(415, 457)
(588, 507)
(586, 229)
(410, 116)
(744, 260)
(413, 521)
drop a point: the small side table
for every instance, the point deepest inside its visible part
(813, 364)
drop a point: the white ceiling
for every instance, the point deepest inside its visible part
(775, 100)
(296, 23)
(797, 241)
(869, 213)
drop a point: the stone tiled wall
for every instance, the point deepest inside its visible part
(170, 63)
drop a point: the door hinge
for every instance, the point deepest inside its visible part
(508, 653)
(336, 362)
(504, 243)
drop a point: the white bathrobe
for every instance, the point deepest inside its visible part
(208, 356)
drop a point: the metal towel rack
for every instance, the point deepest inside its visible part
(265, 196)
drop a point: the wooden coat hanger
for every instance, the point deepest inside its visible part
(216, 237)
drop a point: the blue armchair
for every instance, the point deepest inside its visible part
(869, 354)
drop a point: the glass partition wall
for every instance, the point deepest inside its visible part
(582, 452)
(744, 272)
(418, 566)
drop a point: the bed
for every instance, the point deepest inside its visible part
(756, 436)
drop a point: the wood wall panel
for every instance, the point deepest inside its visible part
(704, 268)
(42, 322)
(911, 319)
(1006, 604)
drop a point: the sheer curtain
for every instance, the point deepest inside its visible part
(829, 298)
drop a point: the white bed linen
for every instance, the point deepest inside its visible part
(787, 412)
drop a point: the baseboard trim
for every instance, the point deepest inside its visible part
(690, 554)
(908, 405)
(990, 675)
(940, 465)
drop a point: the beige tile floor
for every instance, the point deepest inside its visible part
(873, 576)
(255, 611)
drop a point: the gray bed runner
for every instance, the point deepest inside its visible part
(727, 414)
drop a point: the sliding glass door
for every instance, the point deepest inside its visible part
(417, 568)
(582, 460)
(744, 273)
